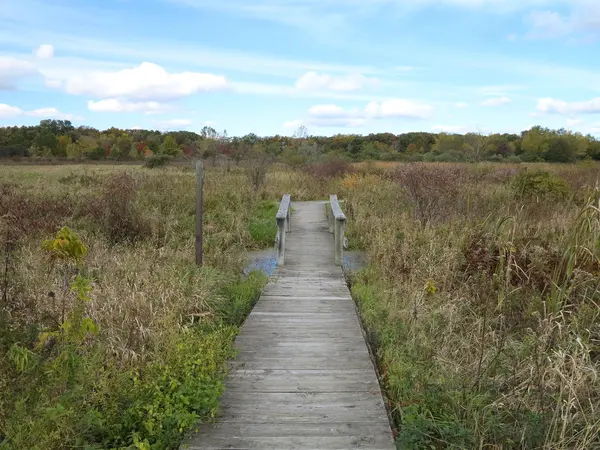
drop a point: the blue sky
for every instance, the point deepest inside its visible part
(336, 66)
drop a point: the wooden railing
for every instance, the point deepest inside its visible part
(337, 226)
(284, 224)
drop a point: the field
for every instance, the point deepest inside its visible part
(480, 298)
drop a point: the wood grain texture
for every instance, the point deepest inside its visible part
(303, 377)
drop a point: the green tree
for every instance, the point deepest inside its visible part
(170, 146)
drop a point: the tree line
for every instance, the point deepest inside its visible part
(61, 139)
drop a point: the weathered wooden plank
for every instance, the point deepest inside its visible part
(282, 429)
(300, 363)
(370, 442)
(265, 380)
(309, 306)
(300, 335)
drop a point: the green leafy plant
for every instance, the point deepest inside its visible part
(539, 184)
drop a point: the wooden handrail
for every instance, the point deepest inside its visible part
(284, 225)
(337, 226)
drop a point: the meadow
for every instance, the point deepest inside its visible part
(480, 300)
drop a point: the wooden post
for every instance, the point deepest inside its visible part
(340, 225)
(199, 209)
(281, 225)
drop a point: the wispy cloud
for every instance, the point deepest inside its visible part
(331, 115)
(9, 112)
(554, 106)
(313, 81)
(12, 70)
(496, 101)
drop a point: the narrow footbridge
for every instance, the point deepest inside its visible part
(303, 377)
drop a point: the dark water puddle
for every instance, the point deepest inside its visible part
(354, 261)
(264, 261)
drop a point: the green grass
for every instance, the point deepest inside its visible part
(262, 226)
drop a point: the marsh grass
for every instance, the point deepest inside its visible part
(165, 326)
(481, 299)
(482, 304)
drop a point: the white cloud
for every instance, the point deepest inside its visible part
(314, 81)
(176, 123)
(12, 70)
(461, 105)
(546, 24)
(581, 20)
(333, 111)
(553, 106)
(450, 128)
(497, 101)
(117, 105)
(574, 122)
(337, 116)
(147, 81)
(8, 112)
(399, 108)
(45, 51)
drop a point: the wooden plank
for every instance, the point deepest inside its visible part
(265, 380)
(314, 429)
(371, 442)
(300, 363)
(309, 306)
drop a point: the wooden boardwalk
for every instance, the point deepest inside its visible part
(303, 378)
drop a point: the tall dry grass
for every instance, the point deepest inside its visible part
(164, 326)
(483, 304)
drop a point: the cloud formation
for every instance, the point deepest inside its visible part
(45, 51)
(12, 70)
(122, 105)
(553, 106)
(331, 115)
(145, 82)
(9, 112)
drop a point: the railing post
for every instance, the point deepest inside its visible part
(281, 225)
(199, 209)
(330, 213)
(284, 224)
(340, 226)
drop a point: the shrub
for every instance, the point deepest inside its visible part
(540, 185)
(115, 210)
(329, 170)
(155, 161)
(35, 213)
(432, 189)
